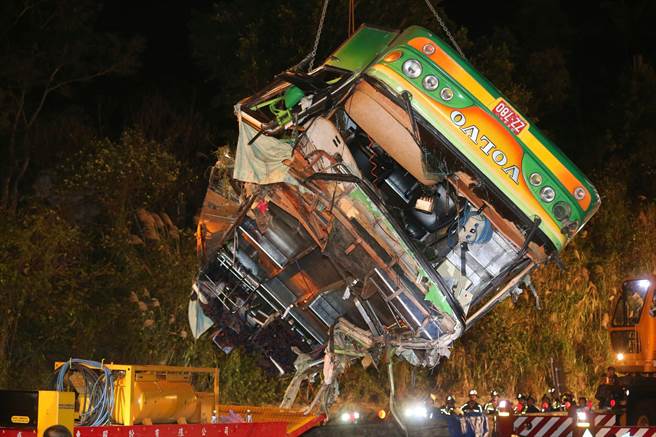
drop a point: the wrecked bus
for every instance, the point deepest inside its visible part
(386, 199)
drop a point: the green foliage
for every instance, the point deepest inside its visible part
(98, 258)
(39, 255)
(244, 382)
(120, 177)
(46, 48)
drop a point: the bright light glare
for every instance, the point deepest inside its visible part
(582, 419)
(643, 283)
(416, 411)
(620, 356)
(503, 404)
(346, 417)
(356, 415)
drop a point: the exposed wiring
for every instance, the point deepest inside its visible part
(98, 404)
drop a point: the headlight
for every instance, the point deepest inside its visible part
(562, 210)
(393, 56)
(446, 94)
(346, 417)
(503, 404)
(547, 194)
(412, 68)
(620, 356)
(416, 412)
(356, 415)
(430, 82)
(428, 49)
(535, 179)
(579, 193)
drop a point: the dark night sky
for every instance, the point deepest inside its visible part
(165, 27)
(593, 50)
(164, 24)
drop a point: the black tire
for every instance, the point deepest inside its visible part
(643, 414)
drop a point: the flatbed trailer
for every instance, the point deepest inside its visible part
(267, 421)
(144, 401)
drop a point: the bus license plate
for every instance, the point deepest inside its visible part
(509, 117)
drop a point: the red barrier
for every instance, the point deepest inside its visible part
(560, 425)
(529, 426)
(273, 429)
(633, 431)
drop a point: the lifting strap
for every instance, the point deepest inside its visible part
(351, 18)
(444, 28)
(313, 53)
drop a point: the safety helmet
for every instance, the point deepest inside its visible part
(494, 393)
(551, 390)
(520, 396)
(473, 392)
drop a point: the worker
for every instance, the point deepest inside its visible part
(610, 378)
(555, 402)
(530, 405)
(449, 408)
(57, 431)
(472, 406)
(492, 405)
(568, 402)
(608, 388)
(545, 404)
(634, 304)
(583, 404)
(521, 404)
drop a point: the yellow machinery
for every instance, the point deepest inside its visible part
(633, 328)
(93, 394)
(55, 408)
(23, 409)
(148, 394)
(633, 340)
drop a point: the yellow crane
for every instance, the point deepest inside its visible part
(633, 341)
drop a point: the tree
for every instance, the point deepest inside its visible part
(46, 48)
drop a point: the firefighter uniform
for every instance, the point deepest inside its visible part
(472, 406)
(449, 407)
(490, 407)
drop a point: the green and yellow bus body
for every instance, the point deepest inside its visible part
(481, 125)
(392, 192)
